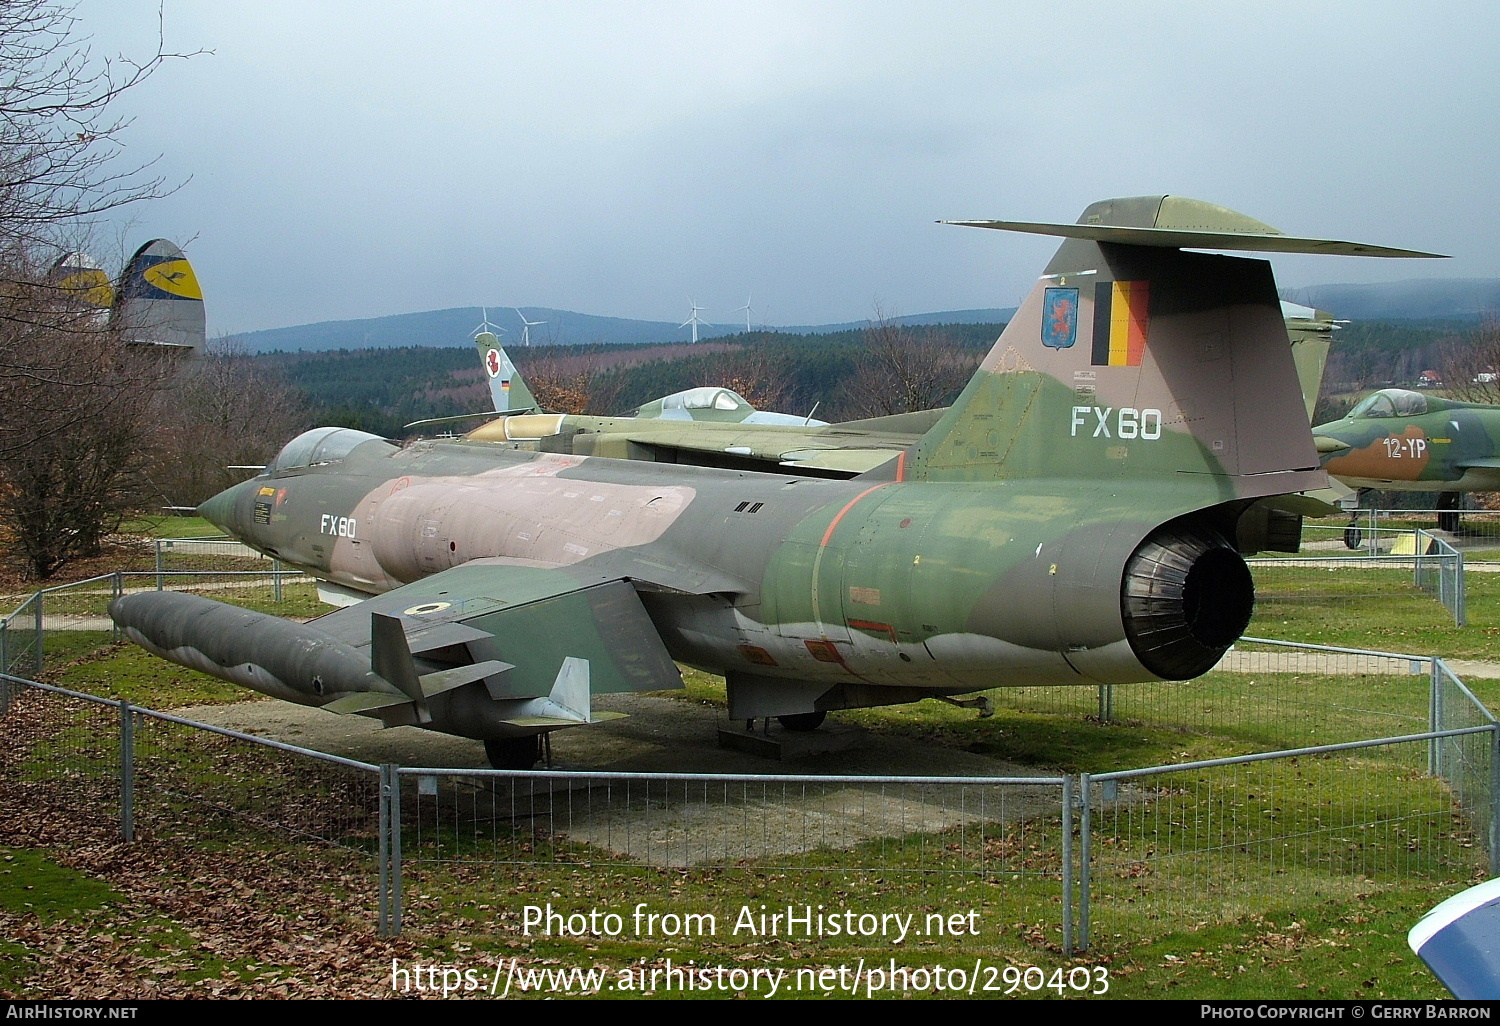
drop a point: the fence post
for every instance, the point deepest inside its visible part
(1434, 716)
(1460, 593)
(116, 589)
(1067, 864)
(127, 772)
(158, 564)
(1494, 799)
(390, 851)
(276, 580)
(38, 612)
(5, 660)
(1085, 851)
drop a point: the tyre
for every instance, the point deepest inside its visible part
(802, 721)
(514, 753)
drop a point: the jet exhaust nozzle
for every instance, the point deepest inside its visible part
(1186, 597)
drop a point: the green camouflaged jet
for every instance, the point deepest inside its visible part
(1404, 441)
(1076, 517)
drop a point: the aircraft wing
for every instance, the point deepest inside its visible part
(502, 616)
(827, 449)
(850, 462)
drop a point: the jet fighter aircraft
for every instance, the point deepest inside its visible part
(1076, 517)
(708, 426)
(1399, 440)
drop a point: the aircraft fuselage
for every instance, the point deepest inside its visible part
(946, 586)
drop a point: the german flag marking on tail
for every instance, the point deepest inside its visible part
(1120, 322)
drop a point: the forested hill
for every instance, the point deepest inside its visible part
(1466, 300)
(1457, 299)
(457, 326)
(380, 390)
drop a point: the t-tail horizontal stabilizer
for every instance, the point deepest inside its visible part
(1176, 222)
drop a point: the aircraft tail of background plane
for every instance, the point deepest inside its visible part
(1311, 333)
(508, 390)
(1132, 360)
(84, 282)
(159, 301)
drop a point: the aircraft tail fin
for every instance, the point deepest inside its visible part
(570, 692)
(159, 301)
(1311, 332)
(79, 277)
(508, 390)
(1134, 360)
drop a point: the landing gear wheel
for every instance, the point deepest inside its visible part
(802, 721)
(1447, 506)
(514, 753)
(1352, 537)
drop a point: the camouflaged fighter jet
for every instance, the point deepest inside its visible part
(1076, 517)
(1404, 441)
(708, 426)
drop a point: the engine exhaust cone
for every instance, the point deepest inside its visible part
(1186, 596)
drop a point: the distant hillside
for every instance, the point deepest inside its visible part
(1457, 299)
(456, 327)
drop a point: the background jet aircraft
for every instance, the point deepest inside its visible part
(1076, 517)
(1399, 440)
(159, 301)
(705, 426)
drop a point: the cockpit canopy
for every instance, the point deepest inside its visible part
(320, 445)
(1391, 402)
(680, 405)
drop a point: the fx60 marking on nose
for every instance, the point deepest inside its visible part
(339, 527)
(1126, 422)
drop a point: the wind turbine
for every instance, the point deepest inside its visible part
(526, 326)
(485, 325)
(746, 308)
(695, 320)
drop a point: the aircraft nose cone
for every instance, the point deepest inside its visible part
(222, 509)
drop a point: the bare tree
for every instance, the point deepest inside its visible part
(575, 383)
(69, 486)
(755, 373)
(60, 138)
(1470, 367)
(74, 398)
(223, 410)
(901, 370)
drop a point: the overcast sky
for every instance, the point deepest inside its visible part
(354, 160)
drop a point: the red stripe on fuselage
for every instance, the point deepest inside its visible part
(848, 506)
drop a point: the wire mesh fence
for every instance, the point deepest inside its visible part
(784, 839)
(1423, 569)
(82, 766)
(212, 782)
(1475, 532)
(1172, 848)
(58, 624)
(1469, 762)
